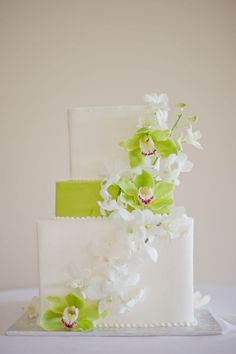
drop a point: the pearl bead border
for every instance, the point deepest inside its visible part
(84, 179)
(117, 325)
(81, 218)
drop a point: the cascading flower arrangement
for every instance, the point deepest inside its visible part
(156, 160)
(144, 207)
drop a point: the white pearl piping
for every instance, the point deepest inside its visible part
(117, 325)
(80, 218)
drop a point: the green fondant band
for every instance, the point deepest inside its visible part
(79, 198)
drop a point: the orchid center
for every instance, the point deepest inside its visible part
(147, 146)
(145, 195)
(70, 317)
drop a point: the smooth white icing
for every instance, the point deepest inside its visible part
(169, 282)
(94, 136)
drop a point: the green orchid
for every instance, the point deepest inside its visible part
(152, 143)
(70, 313)
(143, 192)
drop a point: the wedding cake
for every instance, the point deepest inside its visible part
(119, 254)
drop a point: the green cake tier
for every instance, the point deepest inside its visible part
(79, 198)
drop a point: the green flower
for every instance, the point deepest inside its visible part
(143, 192)
(148, 142)
(69, 313)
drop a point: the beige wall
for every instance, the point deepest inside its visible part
(60, 54)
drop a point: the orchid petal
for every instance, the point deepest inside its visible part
(51, 321)
(135, 158)
(57, 304)
(152, 252)
(73, 300)
(84, 326)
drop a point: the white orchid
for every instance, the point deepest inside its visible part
(174, 165)
(108, 204)
(200, 300)
(32, 309)
(132, 298)
(95, 288)
(121, 304)
(107, 183)
(193, 137)
(161, 118)
(118, 271)
(121, 285)
(110, 280)
(111, 304)
(152, 168)
(158, 104)
(141, 228)
(140, 217)
(77, 277)
(176, 224)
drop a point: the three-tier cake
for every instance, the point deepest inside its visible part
(119, 253)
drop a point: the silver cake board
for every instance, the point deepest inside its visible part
(206, 325)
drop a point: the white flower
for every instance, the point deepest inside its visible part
(174, 165)
(193, 137)
(95, 288)
(161, 118)
(77, 277)
(152, 252)
(176, 224)
(32, 309)
(116, 272)
(108, 182)
(131, 299)
(140, 227)
(149, 167)
(200, 300)
(108, 204)
(157, 102)
(158, 105)
(120, 284)
(135, 223)
(110, 304)
(122, 303)
(140, 217)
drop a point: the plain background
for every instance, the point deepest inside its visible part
(65, 53)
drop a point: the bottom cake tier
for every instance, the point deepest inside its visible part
(71, 250)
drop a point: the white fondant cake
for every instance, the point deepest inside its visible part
(133, 266)
(94, 136)
(64, 253)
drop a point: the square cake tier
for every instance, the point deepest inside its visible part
(65, 248)
(94, 137)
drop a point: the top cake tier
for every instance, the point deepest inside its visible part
(94, 137)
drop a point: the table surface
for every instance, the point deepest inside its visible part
(11, 302)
